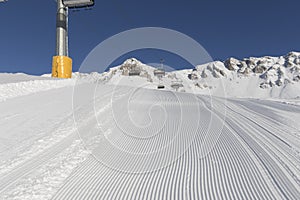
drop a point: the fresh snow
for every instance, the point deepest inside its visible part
(230, 132)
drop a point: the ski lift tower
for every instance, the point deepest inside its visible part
(61, 62)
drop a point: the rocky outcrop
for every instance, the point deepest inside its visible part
(273, 71)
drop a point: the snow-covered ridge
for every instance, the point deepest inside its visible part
(273, 70)
(276, 77)
(25, 87)
(265, 77)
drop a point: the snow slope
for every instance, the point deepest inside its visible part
(74, 139)
(265, 77)
(255, 156)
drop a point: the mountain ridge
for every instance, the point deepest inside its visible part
(263, 77)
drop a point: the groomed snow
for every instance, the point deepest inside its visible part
(88, 138)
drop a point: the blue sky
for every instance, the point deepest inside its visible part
(238, 28)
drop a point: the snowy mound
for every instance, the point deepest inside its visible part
(15, 85)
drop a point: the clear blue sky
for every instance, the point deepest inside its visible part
(225, 28)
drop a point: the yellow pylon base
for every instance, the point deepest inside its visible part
(61, 67)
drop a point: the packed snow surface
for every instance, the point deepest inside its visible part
(116, 136)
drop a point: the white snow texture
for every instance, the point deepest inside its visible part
(223, 130)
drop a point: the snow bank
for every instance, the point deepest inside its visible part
(11, 90)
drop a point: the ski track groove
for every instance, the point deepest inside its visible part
(26, 167)
(281, 181)
(269, 129)
(272, 148)
(236, 168)
(243, 163)
(225, 166)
